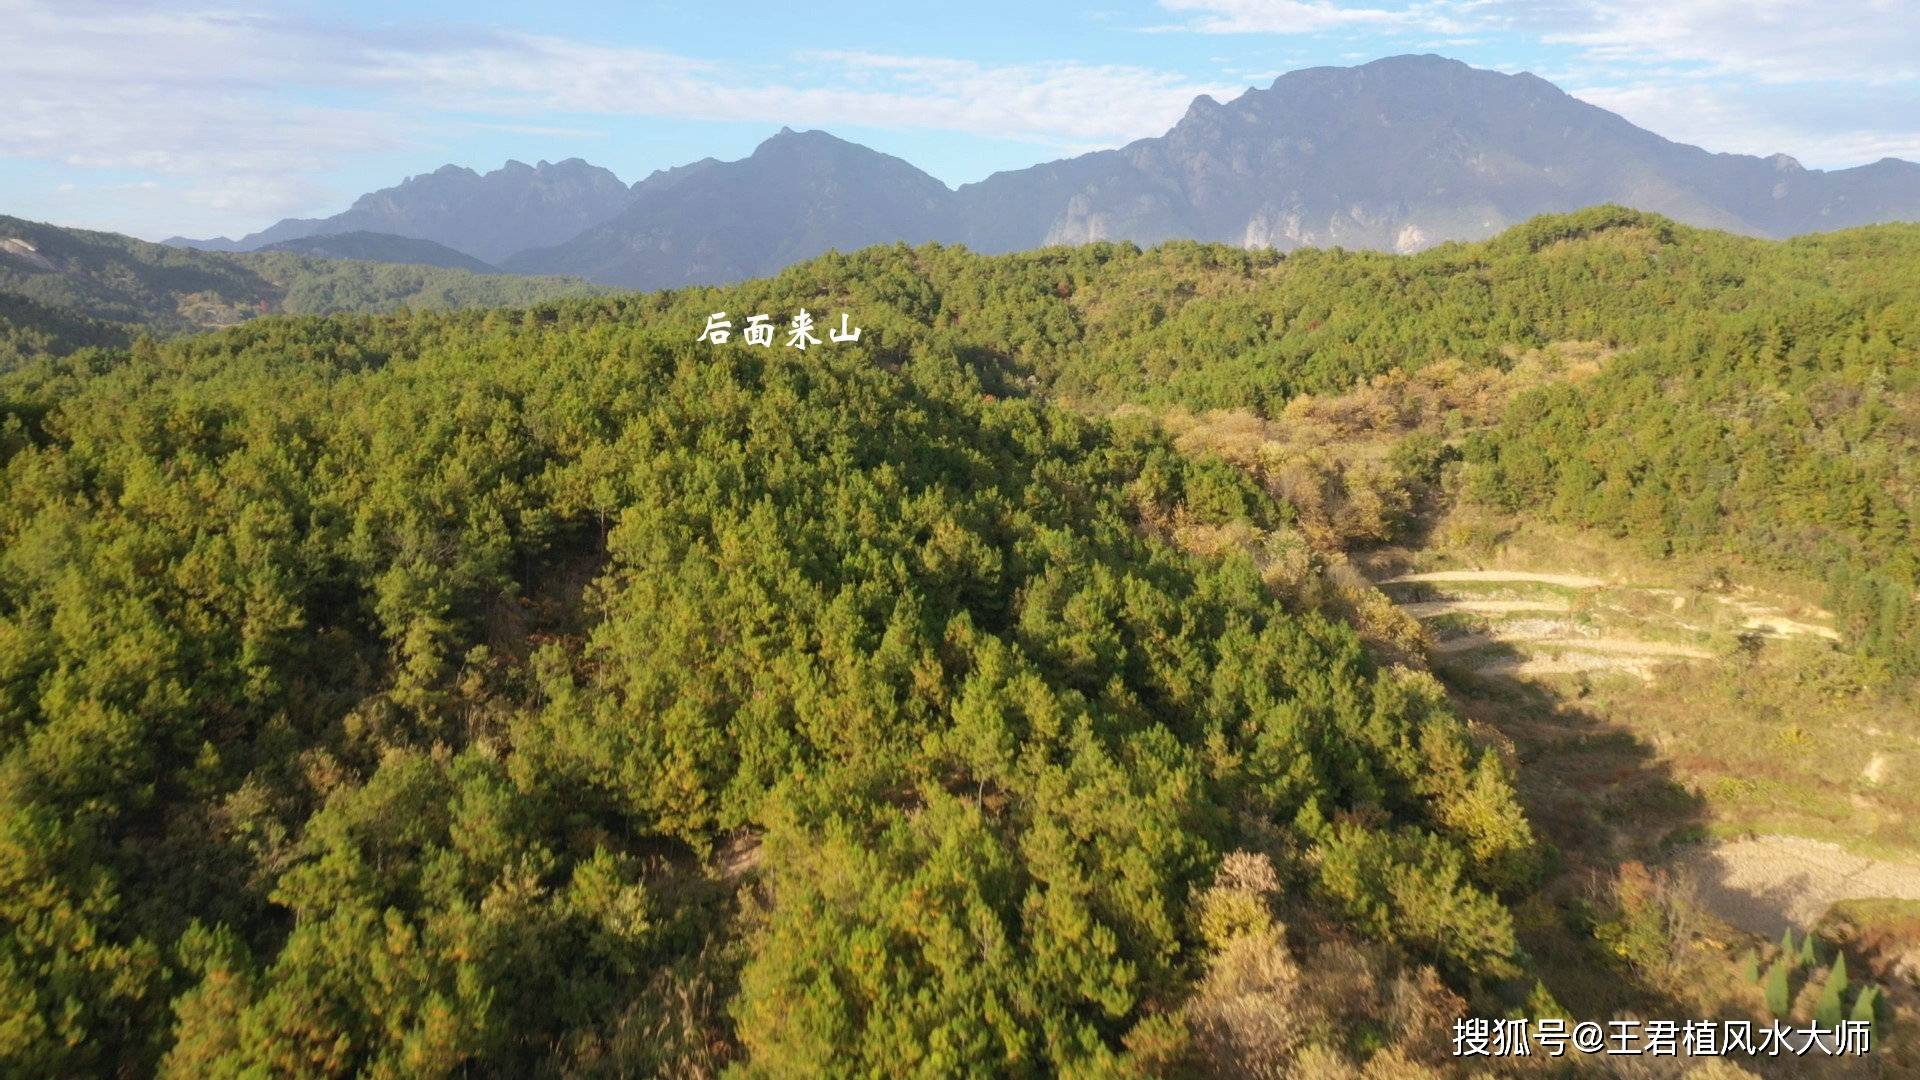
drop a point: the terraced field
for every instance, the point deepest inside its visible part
(1490, 622)
(1602, 663)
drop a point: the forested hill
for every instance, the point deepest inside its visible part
(381, 247)
(322, 755)
(545, 692)
(1764, 402)
(63, 288)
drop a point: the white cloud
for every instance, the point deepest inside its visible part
(221, 101)
(1281, 16)
(1042, 103)
(1045, 103)
(1706, 116)
(1830, 83)
(188, 99)
(1771, 41)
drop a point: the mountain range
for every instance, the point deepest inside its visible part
(1398, 154)
(487, 216)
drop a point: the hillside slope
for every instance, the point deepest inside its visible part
(381, 247)
(551, 692)
(447, 687)
(60, 288)
(1762, 404)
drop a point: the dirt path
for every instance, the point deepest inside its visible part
(1571, 581)
(1570, 663)
(1785, 627)
(1427, 609)
(1772, 620)
(1610, 646)
(1763, 884)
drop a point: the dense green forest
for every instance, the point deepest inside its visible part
(1766, 402)
(543, 692)
(64, 288)
(299, 775)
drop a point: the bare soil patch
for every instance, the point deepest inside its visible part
(1764, 884)
(1570, 581)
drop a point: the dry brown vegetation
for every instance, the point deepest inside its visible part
(1274, 1006)
(1345, 462)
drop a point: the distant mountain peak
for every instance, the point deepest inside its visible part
(786, 136)
(798, 194)
(1204, 103)
(815, 149)
(1416, 65)
(1419, 60)
(1398, 154)
(484, 216)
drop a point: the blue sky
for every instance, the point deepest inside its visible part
(210, 116)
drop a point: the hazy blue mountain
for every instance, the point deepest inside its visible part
(488, 216)
(1403, 153)
(1398, 154)
(798, 194)
(382, 247)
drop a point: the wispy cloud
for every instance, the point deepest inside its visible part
(191, 99)
(537, 129)
(1309, 16)
(1781, 41)
(1771, 41)
(1707, 115)
(1041, 103)
(1832, 83)
(216, 99)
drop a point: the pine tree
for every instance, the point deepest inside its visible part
(1542, 1003)
(1827, 1012)
(1866, 1006)
(1778, 1000)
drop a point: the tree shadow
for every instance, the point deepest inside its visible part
(1602, 797)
